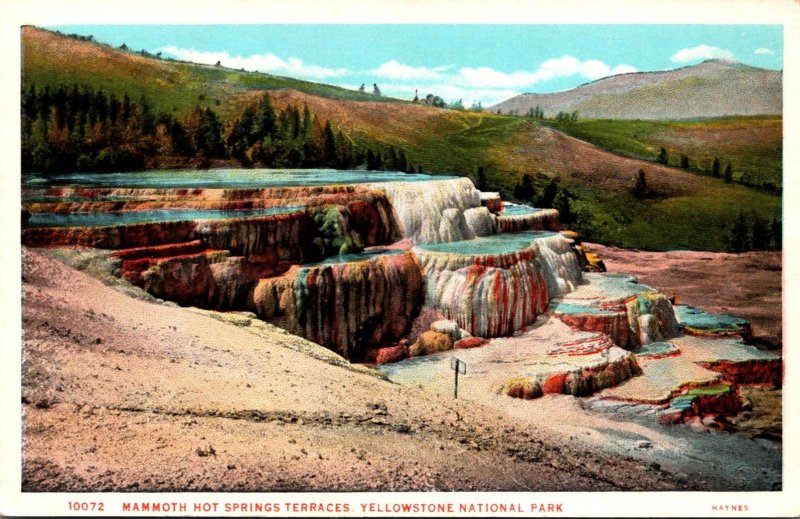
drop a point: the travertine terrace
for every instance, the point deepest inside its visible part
(385, 271)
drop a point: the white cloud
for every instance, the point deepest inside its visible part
(701, 52)
(261, 62)
(395, 70)
(471, 84)
(489, 78)
(763, 50)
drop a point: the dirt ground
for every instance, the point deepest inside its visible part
(125, 394)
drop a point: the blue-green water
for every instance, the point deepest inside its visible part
(700, 319)
(352, 258)
(227, 178)
(656, 348)
(573, 308)
(131, 217)
(504, 243)
(518, 210)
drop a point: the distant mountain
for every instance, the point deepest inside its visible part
(713, 88)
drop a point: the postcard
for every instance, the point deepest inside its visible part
(481, 259)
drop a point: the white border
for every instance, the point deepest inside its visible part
(14, 13)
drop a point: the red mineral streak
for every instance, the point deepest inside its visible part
(615, 325)
(385, 355)
(346, 307)
(757, 371)
(470, 342)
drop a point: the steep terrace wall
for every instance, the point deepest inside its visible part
(540, 220)
(353, 218)
(347, 307)
(68, 200)
(492, 295)
(434, 211)
(631, 322)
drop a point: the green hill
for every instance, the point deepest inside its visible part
(50, 58)
(753, 146)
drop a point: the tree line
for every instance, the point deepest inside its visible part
(715, 170)
(751, 232)
(78, 128)
(537, 113)
(544, 191)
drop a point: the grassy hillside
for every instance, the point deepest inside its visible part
(752, 145)
(171, 86)
(685, 210)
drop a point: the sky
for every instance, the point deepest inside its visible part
(471, 63)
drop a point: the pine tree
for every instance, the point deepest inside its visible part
(402, 161)
(296, 124)
(549, 194)
(371, 160)
(776, 233)
(265, 120)
(760, 234)
(391, 159)
(739, 238)
(524, 190)
(715, 167)
(114, 108)
(329, 148)
(308, 122)
(482, 185)
(684, 162)
(640, 188)
(563, 204)
(125, 110)
(663, 156)
(728, 173)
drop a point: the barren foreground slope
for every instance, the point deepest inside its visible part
(125, 394)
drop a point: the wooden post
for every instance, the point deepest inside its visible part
(455, 386)
(458, 366)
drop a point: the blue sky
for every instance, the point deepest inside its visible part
(486, 63)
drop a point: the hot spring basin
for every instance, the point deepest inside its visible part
(357, 257)
(134, 217)
(496, 244)
(700, 320)
(510, 209)
(228, 178)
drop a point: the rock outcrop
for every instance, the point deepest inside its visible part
(433, 212)
(631, 314)
(651, 318)
(489, 296)
(616, 366)
(347, 307)
(492, 295)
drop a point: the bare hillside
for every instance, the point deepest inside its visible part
(713, 88)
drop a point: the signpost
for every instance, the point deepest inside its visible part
(459, 366)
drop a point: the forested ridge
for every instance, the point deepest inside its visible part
(75, 128)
